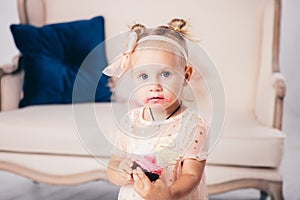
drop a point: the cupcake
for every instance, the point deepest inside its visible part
(149, 166)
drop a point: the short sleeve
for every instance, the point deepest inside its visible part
(199, 145)
(123, 139)
(120, 140)
(119, 148)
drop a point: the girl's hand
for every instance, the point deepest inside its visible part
(126, 171)
(148, 190)
(126, 166)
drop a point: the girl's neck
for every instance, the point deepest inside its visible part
(153, 114)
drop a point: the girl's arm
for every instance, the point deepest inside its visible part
(119, 170)
(192, 171)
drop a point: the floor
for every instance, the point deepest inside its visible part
(14, 187)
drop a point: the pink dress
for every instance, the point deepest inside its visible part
(184, 136)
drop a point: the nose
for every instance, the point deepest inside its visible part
(156, 87)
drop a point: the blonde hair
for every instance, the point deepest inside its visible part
(176, 29)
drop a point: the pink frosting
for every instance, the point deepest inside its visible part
(150, 164)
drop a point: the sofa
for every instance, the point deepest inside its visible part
(242, 38)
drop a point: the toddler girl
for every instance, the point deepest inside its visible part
(166, 143)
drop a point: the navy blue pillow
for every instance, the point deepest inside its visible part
(51, 59)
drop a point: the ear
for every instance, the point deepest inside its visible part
(188, 72)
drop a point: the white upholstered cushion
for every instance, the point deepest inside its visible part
(247, 142)
(46, 129)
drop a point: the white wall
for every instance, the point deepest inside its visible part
(8, 15)
(290, 46)
(290, 54)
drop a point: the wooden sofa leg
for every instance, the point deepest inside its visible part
(263, 195)
(275, 191)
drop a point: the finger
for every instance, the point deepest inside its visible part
(127, 176)
(125, 164)
(124, 175)
(127, 169)
(142, 176)
(138, 183)
(135, 176)
(159, 182)
(127, 179)
(130, 163)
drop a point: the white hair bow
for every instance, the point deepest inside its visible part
(119, 65)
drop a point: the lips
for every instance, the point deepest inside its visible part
(158, 99)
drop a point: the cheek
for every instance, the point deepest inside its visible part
(174, 87)
(141, 92)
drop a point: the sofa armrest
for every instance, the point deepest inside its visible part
(269, 100)
(280, 88)
(11, 81)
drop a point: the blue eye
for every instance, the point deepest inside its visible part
(165, 74)
(143, 76)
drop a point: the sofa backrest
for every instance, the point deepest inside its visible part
(237, 34)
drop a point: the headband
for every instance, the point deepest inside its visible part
(165, 39)
(118, 66)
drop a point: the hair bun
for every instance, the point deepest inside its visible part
(138, 28)
(179, 25)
